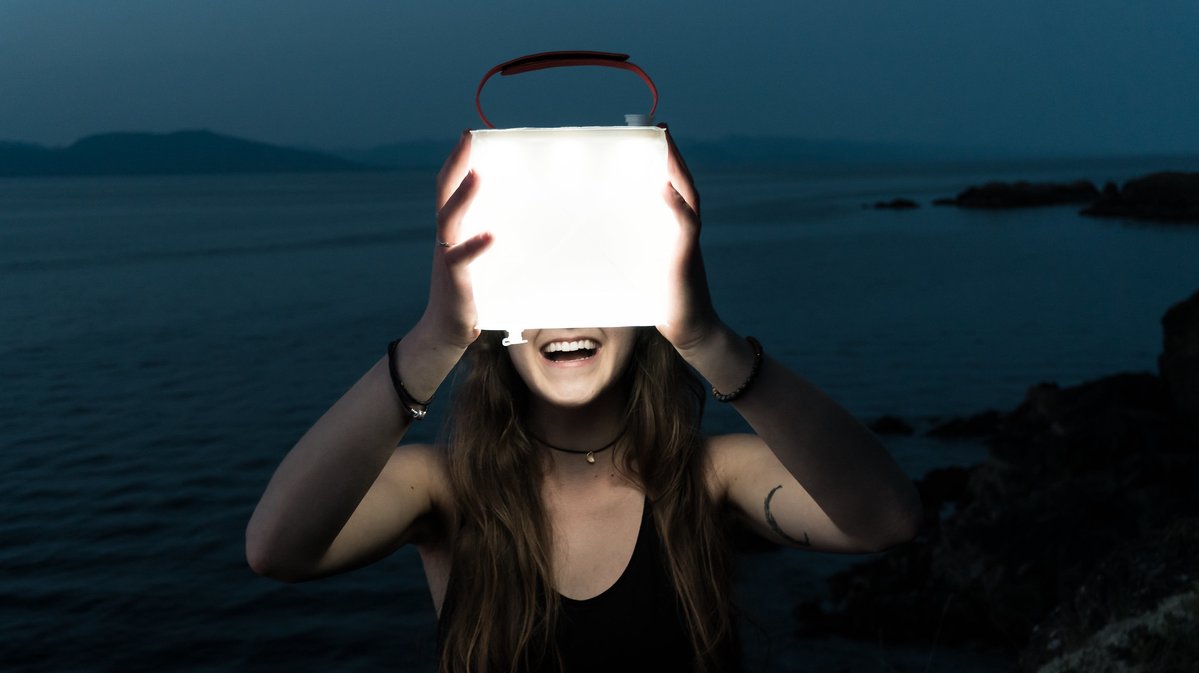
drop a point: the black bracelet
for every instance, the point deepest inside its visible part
(415, 408)
(753, 374)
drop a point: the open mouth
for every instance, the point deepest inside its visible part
(568, 351)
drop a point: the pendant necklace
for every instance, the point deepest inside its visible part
(589, 456)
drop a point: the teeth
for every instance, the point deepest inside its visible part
(567, 346)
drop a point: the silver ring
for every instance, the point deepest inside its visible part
(442, 243)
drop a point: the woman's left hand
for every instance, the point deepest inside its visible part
(691, 316)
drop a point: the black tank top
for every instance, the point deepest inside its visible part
(635, 625)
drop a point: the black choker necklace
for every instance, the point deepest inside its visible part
(590, 455)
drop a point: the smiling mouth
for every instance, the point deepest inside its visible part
(568, 351)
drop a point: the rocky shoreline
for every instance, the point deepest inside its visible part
(1167, 196)
(1161, 197)
(1073, 546)
(1023, 194)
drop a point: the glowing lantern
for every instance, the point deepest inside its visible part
(582, 235)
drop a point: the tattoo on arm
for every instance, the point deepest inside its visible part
(774, 525)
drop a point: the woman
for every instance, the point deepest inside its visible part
(573, 520)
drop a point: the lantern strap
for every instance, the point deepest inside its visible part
(561, 59)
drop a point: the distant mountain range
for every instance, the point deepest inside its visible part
(181, 152)
(188, 152)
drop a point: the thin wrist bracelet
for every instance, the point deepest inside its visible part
(415, 408)
(753, 374)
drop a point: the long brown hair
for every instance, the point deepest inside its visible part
(501, 610)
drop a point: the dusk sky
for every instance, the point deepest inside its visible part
(1041, 76)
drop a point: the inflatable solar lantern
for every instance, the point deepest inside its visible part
(582, 234)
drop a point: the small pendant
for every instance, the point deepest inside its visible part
(591, 457)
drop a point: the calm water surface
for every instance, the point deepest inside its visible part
(164, 341)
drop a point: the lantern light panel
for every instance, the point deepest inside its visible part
(582, 234)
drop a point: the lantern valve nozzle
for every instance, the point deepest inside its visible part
(511, 340)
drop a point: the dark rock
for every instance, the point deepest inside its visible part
(1074, 475)
(945, 201)
(1089, 425)
(895, 204)
(943, 486)
(890, 425)
(978, 425)
(1178, 363)
(1161, 638)
(1162, 197)
(1128, 582)
(1025, 194)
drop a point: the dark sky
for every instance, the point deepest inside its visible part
(1033, 75)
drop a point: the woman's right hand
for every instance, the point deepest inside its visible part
(450, 314)
(345, 495)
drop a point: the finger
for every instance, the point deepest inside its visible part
(466, 251)
(677, 171)
(449, 217)
(454, 169)
(682, 210)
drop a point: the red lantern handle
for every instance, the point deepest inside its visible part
(561, 59)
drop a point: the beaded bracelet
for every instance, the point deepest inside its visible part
(415, 408)
(753, 374)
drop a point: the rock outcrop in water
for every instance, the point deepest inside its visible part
(1161, 197)
(1023, 194)
(1084, 516)
(898, 203)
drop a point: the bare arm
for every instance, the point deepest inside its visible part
(345, 495)
(812, 476)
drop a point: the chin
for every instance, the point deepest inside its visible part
(565, 397)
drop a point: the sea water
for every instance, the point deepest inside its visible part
(165, 340)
